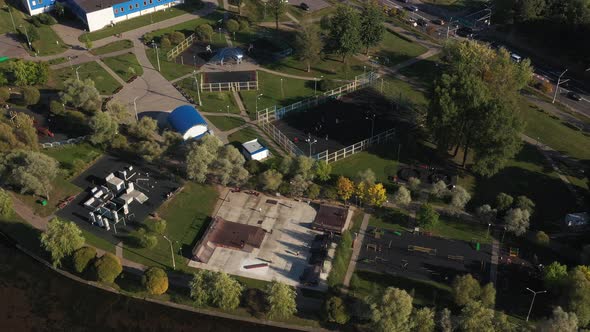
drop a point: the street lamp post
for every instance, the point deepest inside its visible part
(11, 18)
(171, 252)
(311, 142)
(77, 75)
(70, 60)
(27, 35)
(198, 88)
(557, 86)
(258, 96)
(195, 60)
(489, 225)
(135, 108)
(533, 301)
(282, 91)
(154, 45)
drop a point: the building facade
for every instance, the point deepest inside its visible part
(98, 14)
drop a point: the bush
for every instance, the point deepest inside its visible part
(120, 142)
(313, 191)
(165, 42)
(176, 37)
(56, 107)
(83, 257)
(545, 87)
(327, 85)
(46, 19)
(335, 310)
(253, 167)
(244, 25)
(232, 25)
(204, 32)
(107, 268)
(31, 95)
(155, 281)
(157, 225)
(4, 95)
(542, 238)
(146, 240)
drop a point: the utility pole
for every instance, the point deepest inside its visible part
(171, 252)
(11, 18)
(77, 75)
(135, 108)
(194, 60)
(154, 45)
(557, 86)
(282, 91)
(198, 88)
(27, 35)
(310, 142)
(533, 301)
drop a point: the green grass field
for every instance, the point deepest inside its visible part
(113, 47)
(225, 123)
(394, 220)
(397, 48)
(185, 219)
(103, 81)
(187, 27)
(269, 85)
(330, 67)
(125, 65)
(381, 159)
(212, 101)
(169, 69)
(140, 21)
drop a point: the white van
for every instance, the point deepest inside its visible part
(515, 57)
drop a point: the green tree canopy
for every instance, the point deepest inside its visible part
(61, 239)
(344, 32)
(6, 206)
(559, 321)
(393, 310)
(578, 293)
(107, 268)
(104, 128)
(83, 257)
(371, 25)
(335, 310)
(155, 280)
(281, 300)
(29, 171)
(309, 45)
(277, 8)
(225, 291)
(200, 287)
(204, 32)
(270, 179)
(427, 216)
(24, 73)
(31, 95)
(81, 94)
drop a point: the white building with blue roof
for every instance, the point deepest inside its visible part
(188, 122)
(253, 150)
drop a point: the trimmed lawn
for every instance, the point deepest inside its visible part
(391, 219)
(170, 70)
(343, 253)
(212, 101)
(381, 159)
(113, 47)
(67, 155)
(225, 123)
(187, 27)
(141, 21)
(330, 67)
(57, 61)
(186, 215)
(423, 72)
(104, 82)
(410, 95)
(121, 64)
(49, 42)
(455, 229)
(397, 48)
(554, 133)
(269, 85)
(526, 174)
(426, 293)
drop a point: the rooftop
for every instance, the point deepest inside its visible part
(330, 218)
(253, 146)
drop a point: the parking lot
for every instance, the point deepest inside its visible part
(423, 257)
(285, 247)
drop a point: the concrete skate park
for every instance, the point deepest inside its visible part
(284, 252)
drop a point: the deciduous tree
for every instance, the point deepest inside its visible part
(486, 213)
(445, 321)
(517, 221)
(402, 196)
(503, 202)
(61, 239)
(335, 310)
(465, 289)
(392, 311)
(145, 129)
(270, 179)
(344, 32)
(439, 189)
(81, 94)
(155, 280)
(298, 185)
(560, 321)
(578, 293)
(204, 32)
(309, 45)
(524, 203)
(475, 317)
(31, 95)
(542, 238)
(427, 216)
(376, 194)
(322, 170)
(414, 183)
(29, 171)
(200, 287)
(277, 8)
(459, 198)
(108, 267)
(422, 320)
(371, 25)
(4, 93)
(83, 257)
(232, 25)
(28, 72)
(345, 188)
(281, 300)
(555, 276)
(6, 207)
(225, 291)
(104, 128)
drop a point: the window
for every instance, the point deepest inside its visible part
(136, 5)
(40, 1)
(116, 10)
(151, 1)
(145, 3)
(34, 3)
(130, 7)
(122, 9)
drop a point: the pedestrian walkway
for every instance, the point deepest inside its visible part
(357, 244)
(494, 266)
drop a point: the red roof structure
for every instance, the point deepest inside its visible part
(227, 234)
(330, 219)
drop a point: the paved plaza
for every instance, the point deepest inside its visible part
(285, 247)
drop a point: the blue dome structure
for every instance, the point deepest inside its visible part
(188, 122)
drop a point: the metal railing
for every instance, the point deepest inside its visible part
(229, 86)
(383, 137)
(64, 142)
(276, 112)
(186, 43)
(281, 139)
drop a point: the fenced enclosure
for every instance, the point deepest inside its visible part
(229, 86)
(186, 43)
(64, 142)
(266, 117)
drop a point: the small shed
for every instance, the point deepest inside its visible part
(253, 150)
(188, 122)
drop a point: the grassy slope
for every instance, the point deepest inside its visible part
(212, 101)
(113, 47)
(120, 64)
(225, 123)
(397, 48)
(104, 82)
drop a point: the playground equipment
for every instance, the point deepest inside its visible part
(374, 247)
(426, 250)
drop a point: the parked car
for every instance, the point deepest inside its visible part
(438, 21)
(411, 21)
(515, 57)
(465, 32)
(412, 8)
(304, 6)
(422, 22)
(574, 96)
